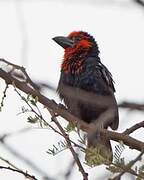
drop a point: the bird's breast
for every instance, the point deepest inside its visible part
(73, 67)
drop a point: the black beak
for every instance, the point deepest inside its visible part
(63, 41)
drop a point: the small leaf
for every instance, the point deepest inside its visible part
(70, 127)
(118, 152)
(32, 100)
(51, 152)
(23, 98)
(33, 120)
(61, 146)
(28, 97)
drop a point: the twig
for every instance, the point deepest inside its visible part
(14, 168)
(127, 168)
(9, 163)
(134, 128)
(139, 2)
(127, 140)
(23, 159)
(70, 169)
(22, 69)
(122, 168)
(75, 156)
(3, 97)
(39, 114)
(19, 171)
(132, 106)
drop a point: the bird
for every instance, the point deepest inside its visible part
(82, 72)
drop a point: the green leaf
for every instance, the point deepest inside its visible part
(70, 127)
(32, 100)
(33, 120)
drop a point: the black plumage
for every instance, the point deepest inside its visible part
(82, 70)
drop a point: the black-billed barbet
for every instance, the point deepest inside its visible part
(82, 71)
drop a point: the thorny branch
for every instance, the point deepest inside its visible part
(27, 86)
(134, 128)
(23, 74)
(139, 2)
(9, 163)
(19, 156)
(123, 169)
(24, 159)
(127, 168)
(75, 156)
(45, 122)
(63, 112)
(19, 171)
(13, 168)
(132, 106)
(69, 142)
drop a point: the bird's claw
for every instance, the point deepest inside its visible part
(96, 132)
(61, 106)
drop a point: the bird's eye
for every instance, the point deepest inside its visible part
(76, 39)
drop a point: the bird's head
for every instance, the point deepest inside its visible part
(78, 46)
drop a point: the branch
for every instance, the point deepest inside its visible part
(132, 106)
(75, 156)
(134, 128)
(139, 2)
(127, 168)
(38, 114)
(63, 112)
(127, 140)
(23, 75)
(23, 159)
(9, 163)
(19, 171)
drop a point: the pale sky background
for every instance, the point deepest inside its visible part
(26, 32)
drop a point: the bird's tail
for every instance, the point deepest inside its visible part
(99, 150)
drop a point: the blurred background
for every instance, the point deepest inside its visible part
(26, 31)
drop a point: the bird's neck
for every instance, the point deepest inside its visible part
(73, 59)
(72, 66)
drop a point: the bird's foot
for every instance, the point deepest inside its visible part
(61, 106)
(98, 127)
